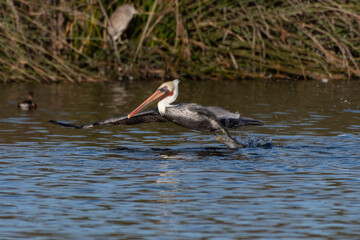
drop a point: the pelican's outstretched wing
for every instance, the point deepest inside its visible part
(148, 116)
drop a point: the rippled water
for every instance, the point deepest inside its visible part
(159, 181)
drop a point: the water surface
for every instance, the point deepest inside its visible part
(160, 181)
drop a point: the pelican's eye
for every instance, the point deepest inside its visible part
(164, 89)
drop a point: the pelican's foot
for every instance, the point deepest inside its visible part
(228, 140)
(220, 138)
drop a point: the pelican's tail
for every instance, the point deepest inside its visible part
(249, 121)
(234, 123)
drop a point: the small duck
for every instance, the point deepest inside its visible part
(28, 103)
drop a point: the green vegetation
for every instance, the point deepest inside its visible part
(59, 40)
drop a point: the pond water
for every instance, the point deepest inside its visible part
(160, 181)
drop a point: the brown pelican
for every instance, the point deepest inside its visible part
(28, 103)
(188, 115)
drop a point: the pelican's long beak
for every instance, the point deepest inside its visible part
(162, 92)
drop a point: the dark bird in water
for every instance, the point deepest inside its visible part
(189, 115)
(28, 103)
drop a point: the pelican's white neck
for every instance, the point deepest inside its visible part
(163, 104)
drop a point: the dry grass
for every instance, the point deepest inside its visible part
(55, 41)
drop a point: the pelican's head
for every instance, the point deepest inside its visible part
(168, 92)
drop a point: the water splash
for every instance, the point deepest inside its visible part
(254, 142)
